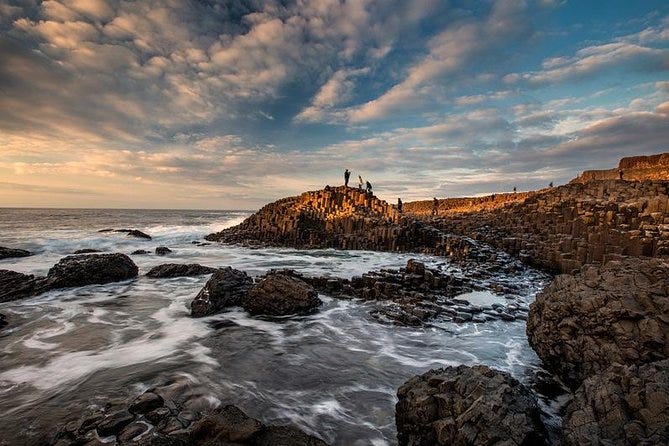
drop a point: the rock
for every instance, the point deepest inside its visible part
(179, 270)
(163, 250)
(140, 252)
(130, 232)
(467, 406)
(620, 406)
(81, 270)
(286, 436)
(15, 285)
(279, 294)
(114, 422)
(415, 267)
(8, 253)
(618, 313)
(225, 424)
(146, 402)
(3, 320)
(86, 251)
(132, 430)
(225, 288)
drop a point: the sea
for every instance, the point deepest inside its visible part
(334, 373)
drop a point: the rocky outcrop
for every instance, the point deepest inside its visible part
(163, 250)
(79, 270)
(621, 406)
(130, 232)
(225, 288)
(566, 227)
(179, 270)
(467, 406)
(618, 313)
(280, 294)
(633, 168)
(153, 421)
(8, 253)
(15, 285)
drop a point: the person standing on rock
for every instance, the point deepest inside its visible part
(359, 182)
(435, 206)
(620, 173)
(399, 205)
(369, 187)
(347, 175)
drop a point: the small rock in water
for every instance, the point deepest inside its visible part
(225, 288)
(279, 295)
(15, 285)
(3, 320)
(79, 270)
(114, 422)
(146, 402)
(139, 252)
(86, 251)
(8, 253)
(132, 430)
(163, 250)
(179, 270)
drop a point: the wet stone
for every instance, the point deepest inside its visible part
(114, 422)
(133, 430)
(146, 402)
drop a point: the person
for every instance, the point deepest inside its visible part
(399, 205)
(435, 206)
(550, 184)
(514, 189)
(347, 175)
(620, 173)
(369, 187)
(359, 182)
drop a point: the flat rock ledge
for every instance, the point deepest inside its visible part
(467, 406)
(79, 270)
(621, 406)
(281, 295)
(151, 420)
(179, 270)
(618, 313)
(8, 253)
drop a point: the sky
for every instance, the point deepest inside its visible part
(233, 104)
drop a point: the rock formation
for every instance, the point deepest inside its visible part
(3, 320)
(130, 232)
(86, 251)
(79, 270)
(179, 270)
(280, 295)
(633, 168)
(163, 250)
(225, 288)
(15, 285)
(618, 313)
(467, 406)
(152, 420)
(8, 253)
(621, 406)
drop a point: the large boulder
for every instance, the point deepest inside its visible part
(8, 253)
(79, 270)
(279, 295)
(225, 288)
(15, 285)
(467, 406)
(179, 270)
(617, 313)
(621, 406)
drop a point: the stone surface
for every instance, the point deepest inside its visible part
(146, 402)
(130, 232)
(618, 313)
(280, 294)
(179, 270)
(163, 250)
(225, 288)
(3, 320)
(15, 285)
(621, 406)
(140, 252)
(86, 251)
(467, 406)
(286, 436)
(79, 270)
(8, 253)
(226, 424)
(113, 423)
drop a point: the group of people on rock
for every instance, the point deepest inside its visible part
(347, 177)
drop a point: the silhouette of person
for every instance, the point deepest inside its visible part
(399, 205)
(620, 173)
(435, 205)
(369, 187)
(550, 184)
(347, 175)
(514, 189)
(359, 182)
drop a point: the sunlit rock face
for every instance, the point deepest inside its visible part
(637, 168)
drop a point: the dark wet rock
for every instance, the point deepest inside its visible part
(79, 270)
(621, 406)
(286, 436)
(3, 320)
(279, 295)
(163, 250)
(415, 267)
(113, 423)
(140, 252)
(225, 288)
(130, 232)
(618, 313)
(146, 402)
(226, 424)
(8, 253)
(132, 431)
(15, 285)
(179, 270)
(467, 405)
(86, 251)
